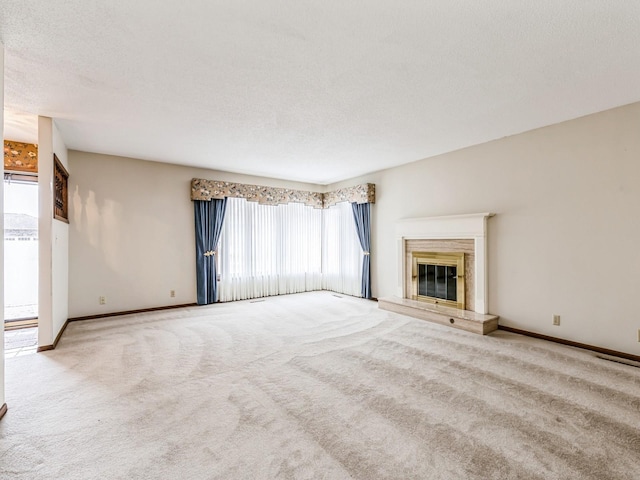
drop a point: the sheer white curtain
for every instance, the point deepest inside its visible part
(341, 251)
(269, 250)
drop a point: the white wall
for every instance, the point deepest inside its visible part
(53, 236)
(132, 234)
(60, 250)
(565, 237)
(45, 226)
(2, 401)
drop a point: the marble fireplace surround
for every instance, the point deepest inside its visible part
(442, 229)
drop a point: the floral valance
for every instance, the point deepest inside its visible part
(208, 189)
(21, 157)
(365, 193)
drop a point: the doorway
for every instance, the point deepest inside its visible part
(20, 250)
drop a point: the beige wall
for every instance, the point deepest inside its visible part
(132, 232)
(566, 234)
(567, 198)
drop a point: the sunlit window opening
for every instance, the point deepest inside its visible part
(20, 249)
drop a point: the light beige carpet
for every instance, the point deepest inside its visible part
(313, 386)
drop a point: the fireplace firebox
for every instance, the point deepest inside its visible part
(438, 278)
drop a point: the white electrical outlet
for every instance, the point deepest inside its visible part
(173, 293)
(102, 300)
(556, 320)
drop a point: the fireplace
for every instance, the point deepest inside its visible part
(442, 272)
(439, 278)
(457, 234)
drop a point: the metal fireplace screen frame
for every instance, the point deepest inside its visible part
(439, 259)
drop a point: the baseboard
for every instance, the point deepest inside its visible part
(64, 327)
(46, 348)
(130, 312)
(571, 343)
(3, 410)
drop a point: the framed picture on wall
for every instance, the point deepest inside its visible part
(60, 191)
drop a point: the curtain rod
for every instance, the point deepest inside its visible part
(15, 176)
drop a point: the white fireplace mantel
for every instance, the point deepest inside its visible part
(454, 227)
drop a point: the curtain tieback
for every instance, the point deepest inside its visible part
(366, 253)
(209, 253)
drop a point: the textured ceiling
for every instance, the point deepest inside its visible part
(318, 91)
(20, 127)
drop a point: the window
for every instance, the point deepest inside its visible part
(21, 247)
(272, 250)
(269, 250)
(341, 252)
